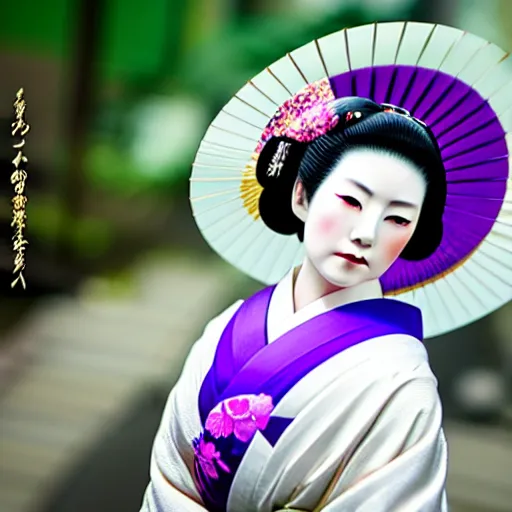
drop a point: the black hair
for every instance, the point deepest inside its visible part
(362, 124)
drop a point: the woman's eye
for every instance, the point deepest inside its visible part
(400, 221)
(351, 201)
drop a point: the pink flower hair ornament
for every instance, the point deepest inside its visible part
(313, 123)
(304, 117)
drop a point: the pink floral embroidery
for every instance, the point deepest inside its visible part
(219, 423)
(242, 415)
(207, 456)
(238, 408)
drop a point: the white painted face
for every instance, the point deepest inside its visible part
(361, 217)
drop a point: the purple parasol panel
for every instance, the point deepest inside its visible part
(474, 151)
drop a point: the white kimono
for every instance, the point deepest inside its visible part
(366, 434)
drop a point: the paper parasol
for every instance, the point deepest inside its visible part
(458, 84)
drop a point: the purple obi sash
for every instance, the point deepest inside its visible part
(249, 377)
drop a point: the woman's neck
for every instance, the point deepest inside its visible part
(309, 285)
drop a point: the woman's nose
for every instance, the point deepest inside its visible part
(363, 242)
(364, 233)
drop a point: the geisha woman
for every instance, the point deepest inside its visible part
(365, 174)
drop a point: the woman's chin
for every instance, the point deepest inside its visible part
(342, 279)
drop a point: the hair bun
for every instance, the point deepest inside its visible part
(276, 171)
(276, 212)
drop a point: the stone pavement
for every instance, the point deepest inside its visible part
(480, 468)
(90, 357)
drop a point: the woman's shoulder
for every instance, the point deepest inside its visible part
(401, 358)
(398, 349)
(397, 367)
(215, 327)
(220, 321)
(203, 350)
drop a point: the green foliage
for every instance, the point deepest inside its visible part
(112, 169)
(138, 38)
(218, 67)
(90, 238)
(41, 29)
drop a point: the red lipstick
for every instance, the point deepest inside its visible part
(353, 259)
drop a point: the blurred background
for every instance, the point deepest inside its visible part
(120, 282)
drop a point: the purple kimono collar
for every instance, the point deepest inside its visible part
(245, 363)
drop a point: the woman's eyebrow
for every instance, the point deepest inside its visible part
(369, 192)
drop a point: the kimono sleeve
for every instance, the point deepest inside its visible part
(171, 486)
(400, 464)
